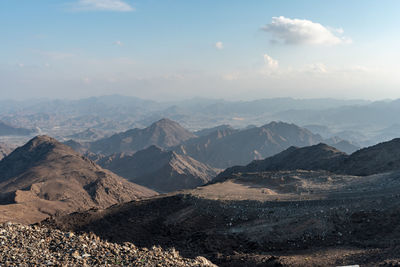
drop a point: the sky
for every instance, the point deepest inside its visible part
(179, 49)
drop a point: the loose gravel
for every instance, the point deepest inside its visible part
(22, 245)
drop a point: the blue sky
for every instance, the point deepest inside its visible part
(181, 49)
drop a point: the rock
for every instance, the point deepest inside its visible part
(49, 247)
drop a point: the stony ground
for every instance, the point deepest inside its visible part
(22, 245)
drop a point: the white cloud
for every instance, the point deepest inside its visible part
(219, 45)
(301, 31)
(118, 43)
(316, 68)
(105, 5)
(270, 63)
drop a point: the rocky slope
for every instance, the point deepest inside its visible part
(45, 177)
(163, 133)
(288, 218)
(161, 170)
(383, 157)
(46, 247)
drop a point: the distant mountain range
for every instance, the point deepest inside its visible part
(45, 177)
(158, 169)
(383, 157)
(220, 146)
(227, 147)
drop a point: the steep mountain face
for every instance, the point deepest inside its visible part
(379, 158)
(6, 129)
(224, 148)
(161, 170)
(47, 177)
(163, 133)
(316, 157)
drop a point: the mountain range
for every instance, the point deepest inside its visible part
(227, 147)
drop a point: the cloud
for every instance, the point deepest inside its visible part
(301, 31)
(270, 63)
(103, 5)
(316, 68)
(219, 45)
(118, 43)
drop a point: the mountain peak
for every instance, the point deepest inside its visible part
(45, 169)
(163, 133)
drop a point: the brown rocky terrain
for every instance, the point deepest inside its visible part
(288, 218)
(45, 177)
(163, 133)
(158, 169)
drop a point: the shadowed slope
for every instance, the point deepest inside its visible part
(161, 170)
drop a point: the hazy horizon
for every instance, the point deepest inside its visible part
(179, 50)
(201, 98)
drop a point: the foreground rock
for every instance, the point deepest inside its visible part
(20, 245)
